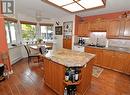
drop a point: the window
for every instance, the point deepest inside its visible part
(47, 32)
(10, 31)
(28, 32)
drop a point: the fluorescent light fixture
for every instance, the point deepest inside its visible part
(73, 7)
(61, 2)
(91, 3)
(77, 5)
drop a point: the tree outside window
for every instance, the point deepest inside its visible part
(28, 32)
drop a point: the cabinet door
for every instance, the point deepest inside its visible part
(127, 28)
(127, 70)
(83, 29)
(108, 58)
(120, 61)
(69, 43)
(114, 28)
(47, 72)
(97, 52)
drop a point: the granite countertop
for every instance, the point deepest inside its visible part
(114, 48)
(70, 58)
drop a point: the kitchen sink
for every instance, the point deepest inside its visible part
(97, 46)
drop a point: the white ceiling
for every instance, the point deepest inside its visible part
(29, 8)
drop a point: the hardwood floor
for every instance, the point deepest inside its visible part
(29, 81)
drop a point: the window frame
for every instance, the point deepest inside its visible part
(29, 23)
(8, 22)
(47, 25)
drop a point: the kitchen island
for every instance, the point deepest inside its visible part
(56, 63)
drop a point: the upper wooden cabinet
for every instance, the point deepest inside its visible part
(98, 25)
(83, 29)
(114, 28)
(127, 27)
(119, 28)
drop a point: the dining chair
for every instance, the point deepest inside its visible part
(31, 55)
(42, 49)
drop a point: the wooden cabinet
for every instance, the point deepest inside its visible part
(108, 57)
(115, 60)
(54, 78)
(114, 28)
(119, 28)
(127, 28)
(120, 61)
(83, 29)
(97, 52)
(67, 43)
(98, 25)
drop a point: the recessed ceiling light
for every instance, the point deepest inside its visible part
(61, 2)
(91, 3)
(73, 7)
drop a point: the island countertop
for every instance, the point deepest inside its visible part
(69, 58)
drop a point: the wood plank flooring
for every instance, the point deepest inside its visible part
(28, 80)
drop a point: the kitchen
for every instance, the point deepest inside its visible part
(102, 32)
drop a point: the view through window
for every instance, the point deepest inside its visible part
(47, 32)
(28, 32)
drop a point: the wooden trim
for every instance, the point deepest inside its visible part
(46, 24)
(10, 19)
(28, 22)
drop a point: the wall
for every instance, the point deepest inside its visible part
(59, 38)
(3, 43)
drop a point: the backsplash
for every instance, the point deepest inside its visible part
(119, 43)
(102, 40)
(98, 38)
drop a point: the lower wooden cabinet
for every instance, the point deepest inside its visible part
(108, 57)
(98, 53)
(67, 43)
(119, 61)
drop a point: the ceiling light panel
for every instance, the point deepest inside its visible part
(74, 7)
(90, 3)
(61, 2)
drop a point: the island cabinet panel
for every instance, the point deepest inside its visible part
(83, 29)
(85, 83)
(54, 76)
(98, 53)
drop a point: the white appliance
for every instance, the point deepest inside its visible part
(78, 48)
